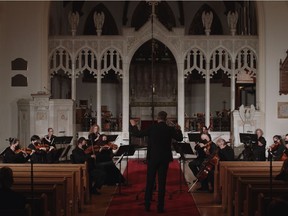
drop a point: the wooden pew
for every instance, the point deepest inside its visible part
(61, 198)
(250, 204)
(232, 174)
(82, 175)
(222, 185)
(242, 184)
(51, 193)
(40, 205)
(71, 188)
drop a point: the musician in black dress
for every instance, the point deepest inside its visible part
(38, 154)
(97, 175)
(159, 155)
(259, 148)
(49, 141)
(204, 149)
(13, 153)
(104, 157)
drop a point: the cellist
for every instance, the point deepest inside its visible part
(205, 148)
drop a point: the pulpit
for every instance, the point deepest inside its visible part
(36, 115)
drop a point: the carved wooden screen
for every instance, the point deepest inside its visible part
(284, 76)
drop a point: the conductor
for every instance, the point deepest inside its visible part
(159, 155)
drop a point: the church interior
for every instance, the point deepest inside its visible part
(67, 66)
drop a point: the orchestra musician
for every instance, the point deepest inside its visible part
(277, 148)
(97, 175)
(104, 156)
(204, 149)
(48, 140)
(260, 147)
(94, 134)
(225, 152)
(39, 151)
(13, 153)
(283, 175)
(159, 155)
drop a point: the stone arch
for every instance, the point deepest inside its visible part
(220, 59)
(111, 59)
(197, 65)
(90, 61)
(60, 59)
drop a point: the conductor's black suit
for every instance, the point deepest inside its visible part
(159, 155)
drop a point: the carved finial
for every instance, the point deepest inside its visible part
(207, 18)
(73, 18)
(232, 19)
(98, 22)
(153, 4)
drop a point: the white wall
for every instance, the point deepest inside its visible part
(276, 39)
(21, 35)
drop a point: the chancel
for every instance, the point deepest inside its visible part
(218, 69)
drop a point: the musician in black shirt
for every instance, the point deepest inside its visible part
(49, 140)
(13, 153)
(204, 149)
(97, 175)
(225, 152)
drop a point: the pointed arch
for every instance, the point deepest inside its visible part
(163, 12)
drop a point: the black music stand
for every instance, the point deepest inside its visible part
(194, 137)
(249, 141)
(111, 138)
(182, 149)
(123, 150)
(63, 140)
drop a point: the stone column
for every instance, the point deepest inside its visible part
(181, 95)
(98, 91)
(207, 95)
(232, 96)
(125, 100)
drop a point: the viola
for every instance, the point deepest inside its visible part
(205, 148)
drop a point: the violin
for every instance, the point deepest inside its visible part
(274, 146)
(97, 148)
(44, 147)
(23, 150)
(205, 148)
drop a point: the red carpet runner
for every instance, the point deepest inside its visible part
(127, 205)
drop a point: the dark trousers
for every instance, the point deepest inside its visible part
(152, 169)
(195, 165)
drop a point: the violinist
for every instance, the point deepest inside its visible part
(277, 148)
(105, 160)
(97, 175)
(260, 147)
(204, 149)
(225, 152)
(94, 134)
(39, 153)
(13, 154)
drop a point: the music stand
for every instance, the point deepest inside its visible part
(249, 141)
(111, 138)
(63, 140)
(194, 137)
(182, 149)
(124, 150)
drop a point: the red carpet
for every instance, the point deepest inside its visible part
(127, 204)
